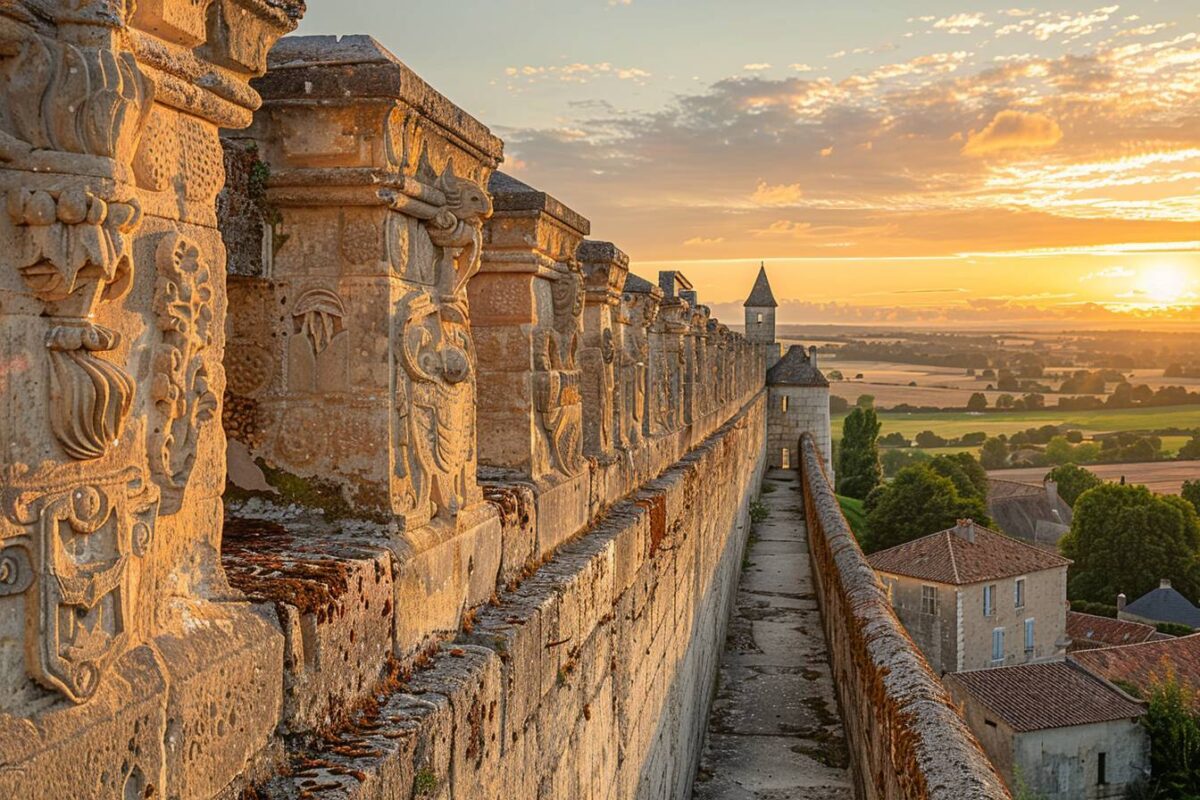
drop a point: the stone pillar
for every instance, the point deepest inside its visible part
(354, 353)
(111, 331)
(669, 364)
(604, 271)
(527, 315)
(641, 299)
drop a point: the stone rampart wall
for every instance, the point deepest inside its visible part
(590, 678)
(907, 740)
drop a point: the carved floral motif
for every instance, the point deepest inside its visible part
(183, 399)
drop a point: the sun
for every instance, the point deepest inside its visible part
(1163, 284)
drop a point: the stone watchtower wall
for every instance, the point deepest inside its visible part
(486, 501)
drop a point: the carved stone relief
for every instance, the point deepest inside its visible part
(318, 357)
(89, 536)
(183, 399)
(435, 388)
(558, 395)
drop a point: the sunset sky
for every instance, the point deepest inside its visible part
(891, 161)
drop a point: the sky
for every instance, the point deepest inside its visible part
(941, 162)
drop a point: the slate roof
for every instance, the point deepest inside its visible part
(1027, 512)
(1088, 632)
(947, 557)
(1165, 604)
(795, 369)
(1055, 694)
(761, 295)
(1142, 665)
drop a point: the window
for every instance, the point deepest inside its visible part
(1019, 593)
(785, 459)
(929, 600)
(997, 644)
(759, 320)
(1101, 772)
(989, 600)
(783, 404)
(1029, 635)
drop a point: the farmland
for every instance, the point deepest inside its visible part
(1164, 477)
(952, 424)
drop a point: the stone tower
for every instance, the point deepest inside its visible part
(760, 316)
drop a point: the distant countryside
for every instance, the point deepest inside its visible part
(1125, 401)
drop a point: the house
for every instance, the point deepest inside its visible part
(1034, 513)
(1088, 632)
(1163, 604)
(1054, 728)
(1140, 666)
(972, 598)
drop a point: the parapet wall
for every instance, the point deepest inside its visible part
(591, 678)
(906, 738)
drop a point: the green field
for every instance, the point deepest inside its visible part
(853, 510)
(952, 424)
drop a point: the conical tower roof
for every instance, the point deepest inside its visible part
(761, 295)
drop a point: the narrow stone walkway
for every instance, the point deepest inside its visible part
(775, 732)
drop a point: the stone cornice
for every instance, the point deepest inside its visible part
(351, 70)
(513, 198)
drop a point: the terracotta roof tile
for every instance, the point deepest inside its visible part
(1088, 631)
(1143, 664)
(948, 557)
(1055, 694)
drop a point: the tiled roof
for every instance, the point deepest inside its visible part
(1144, 664)
(1026, 511)
(1055, 694)
(761, 295)
(1088, 631)
(947, 557)
(795, 369)
(1165, 604)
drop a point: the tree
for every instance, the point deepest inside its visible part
(1059, 451)
(916, 503)
(838, 405)
(858, 460)
(865, 401)
(1191, 493)
(978, 402)
(1073, 481)
(994, 454)
(969, 477)
(1126, 539)
(1004, 401)
(1191, 448)
(1174, 732)
(929, 439)
(834, 375)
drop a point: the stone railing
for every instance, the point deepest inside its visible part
(906, 738)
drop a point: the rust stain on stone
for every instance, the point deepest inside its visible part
(656, 508)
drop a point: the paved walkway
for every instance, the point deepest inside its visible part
(775, 732)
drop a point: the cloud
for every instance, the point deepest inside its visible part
(961, 23)
(700, 241)
(577, 72)
(756, 67)
(1110, 273)
(1013, 130)
(777, 195)
(800, 67)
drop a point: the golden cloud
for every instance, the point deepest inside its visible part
(779, 195)
(1013, 130)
